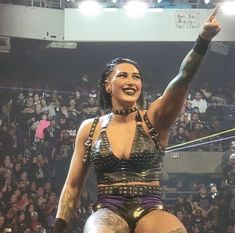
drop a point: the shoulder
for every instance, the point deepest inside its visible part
(87, 124)
(83, 133)
(96, 121)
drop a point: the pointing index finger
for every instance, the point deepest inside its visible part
(215, 12)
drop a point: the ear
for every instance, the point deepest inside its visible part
(108, 87)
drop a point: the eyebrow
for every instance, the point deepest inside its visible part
(136, 73)
(124, 72)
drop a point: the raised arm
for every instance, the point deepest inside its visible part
(74, 181)
(164, 111)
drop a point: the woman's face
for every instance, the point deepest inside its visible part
(38, 108)
(21, 217)
(194, 117)
(125, 85)
(24, 176)
(43, 102)
(31, 208)
(18, 167)
(36, 98)
(181, 118)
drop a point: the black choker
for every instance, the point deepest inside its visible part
(124, 111)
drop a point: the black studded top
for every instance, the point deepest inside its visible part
(144, 164)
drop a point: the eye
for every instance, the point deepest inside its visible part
(122, 75)
(136, 76)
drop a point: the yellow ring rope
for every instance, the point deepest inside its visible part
(199, 139)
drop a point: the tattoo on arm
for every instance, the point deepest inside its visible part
(178, 230)
(67, 205)
(188, 68)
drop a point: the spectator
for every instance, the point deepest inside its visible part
(21, 224)
(43, 123)
(52, 132)
(7, 111)
(197, 131)
(203, 198)
(229, 171)
(188, 108)
(6, 141)
(36, 99)
(50, 209)
(17, 170)
(184, 219)
(40, 171)
(48, 107)
(73, 112)
(226, 156)
(181, 136)
(214, 111)
(199, 102)
(35, 223)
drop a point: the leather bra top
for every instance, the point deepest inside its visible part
(144, 164)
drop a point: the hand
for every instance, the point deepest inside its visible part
(211, 27)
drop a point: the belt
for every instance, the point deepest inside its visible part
(129, 190)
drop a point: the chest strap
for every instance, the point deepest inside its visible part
(153, 133)
(88, 143)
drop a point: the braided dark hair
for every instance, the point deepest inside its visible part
(104, 97)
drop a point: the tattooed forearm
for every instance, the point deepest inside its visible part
(178, 230)
(187, 70)
(190, 64)
(67, 204)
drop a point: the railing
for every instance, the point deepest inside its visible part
(170, 196)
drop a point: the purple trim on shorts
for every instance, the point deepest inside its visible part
(127, 207)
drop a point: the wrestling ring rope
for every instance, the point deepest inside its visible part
(186, 145)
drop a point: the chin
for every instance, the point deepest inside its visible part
(129, 102)
(131, 97)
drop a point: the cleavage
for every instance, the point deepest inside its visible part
(126, 154)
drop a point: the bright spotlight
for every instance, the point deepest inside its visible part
(136, 8)
(228, 7)
(90, 8)
(207, 1)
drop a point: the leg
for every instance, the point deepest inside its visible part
(105, 221)
(158, 221)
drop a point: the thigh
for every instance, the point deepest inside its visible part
(105, 221)
(158, 221)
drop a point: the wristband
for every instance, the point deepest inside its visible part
(59, 226)
(201, 45)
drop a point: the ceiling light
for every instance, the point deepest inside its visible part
(228, 7)
(136, 8)
(90, 8)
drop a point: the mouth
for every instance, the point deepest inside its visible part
(129, 90)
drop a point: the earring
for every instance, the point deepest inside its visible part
(108, 90)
